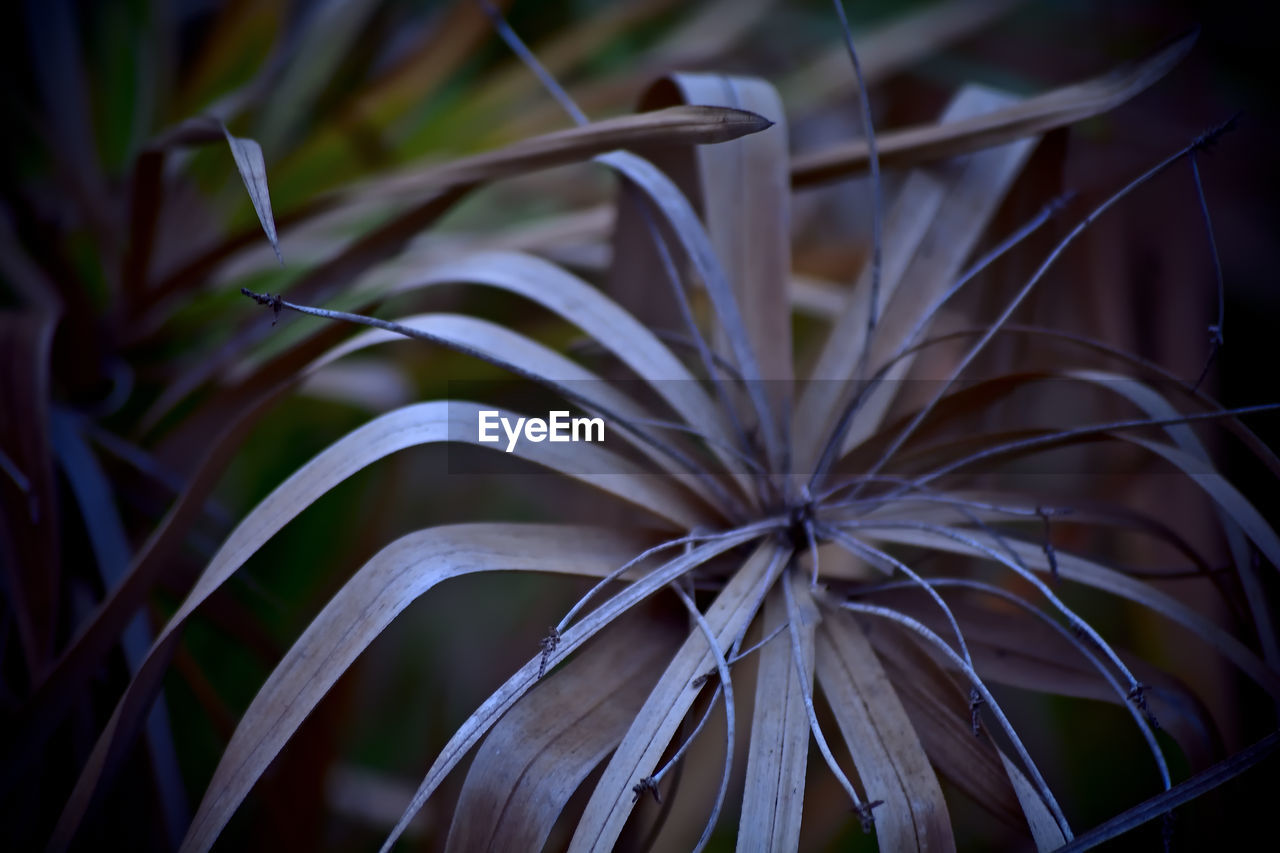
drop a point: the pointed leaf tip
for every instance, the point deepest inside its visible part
(253, 171)
(753, 122)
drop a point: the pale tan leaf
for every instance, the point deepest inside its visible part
(681, 125)
(773, 800)
(745, 200)
(504, 697)
(1044, 829)
(653, 728)
(391, 580)
(592, 312)
(253, 171)
(976, 185)
(488, 338)
(682, 223)
(882, 740)
(913, 146)
(407, 427)
(824, 300)
(539, 753)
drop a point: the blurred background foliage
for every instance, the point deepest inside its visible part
(124, 330)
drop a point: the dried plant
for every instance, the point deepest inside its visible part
(866, 533)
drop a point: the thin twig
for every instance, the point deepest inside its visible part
(726, 684)
(877, 190)
(1076, 623)
(518, 47)
(921, 630)
(732, 323)
(761, 527)
(858, 548)
(277, 303)
(1049, 211)
(1184, 792)
(803, 680)
(1141, 720)
(1215, 331)
(830, 451)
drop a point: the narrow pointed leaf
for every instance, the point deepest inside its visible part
(394, 578)
(940, 713)
(882, 740)
(638, 754)
(1044, 829)
(540, 752)
(407, 427)
(773, 799)
(558, 371)
(253, 171)
(510, 692)
(931, 231)
(679, 125)
(918, 145)
(591, 311)
(111, 550)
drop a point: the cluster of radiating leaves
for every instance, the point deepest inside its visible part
(620, 686)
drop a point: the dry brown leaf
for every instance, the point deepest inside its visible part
(1075, 568)
(773, 800)
(744, 197)
(394, 578)
(503, 698)
(422, 423)
(1044, 829)
(900, 149)
(513, 347)
(653, 728)
(541, 751)
(930, 231)
(745, 200)
(591, 311)
(679, 125)
(1009, 646)
(976, 185)
(939, 710)
(884, 744)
